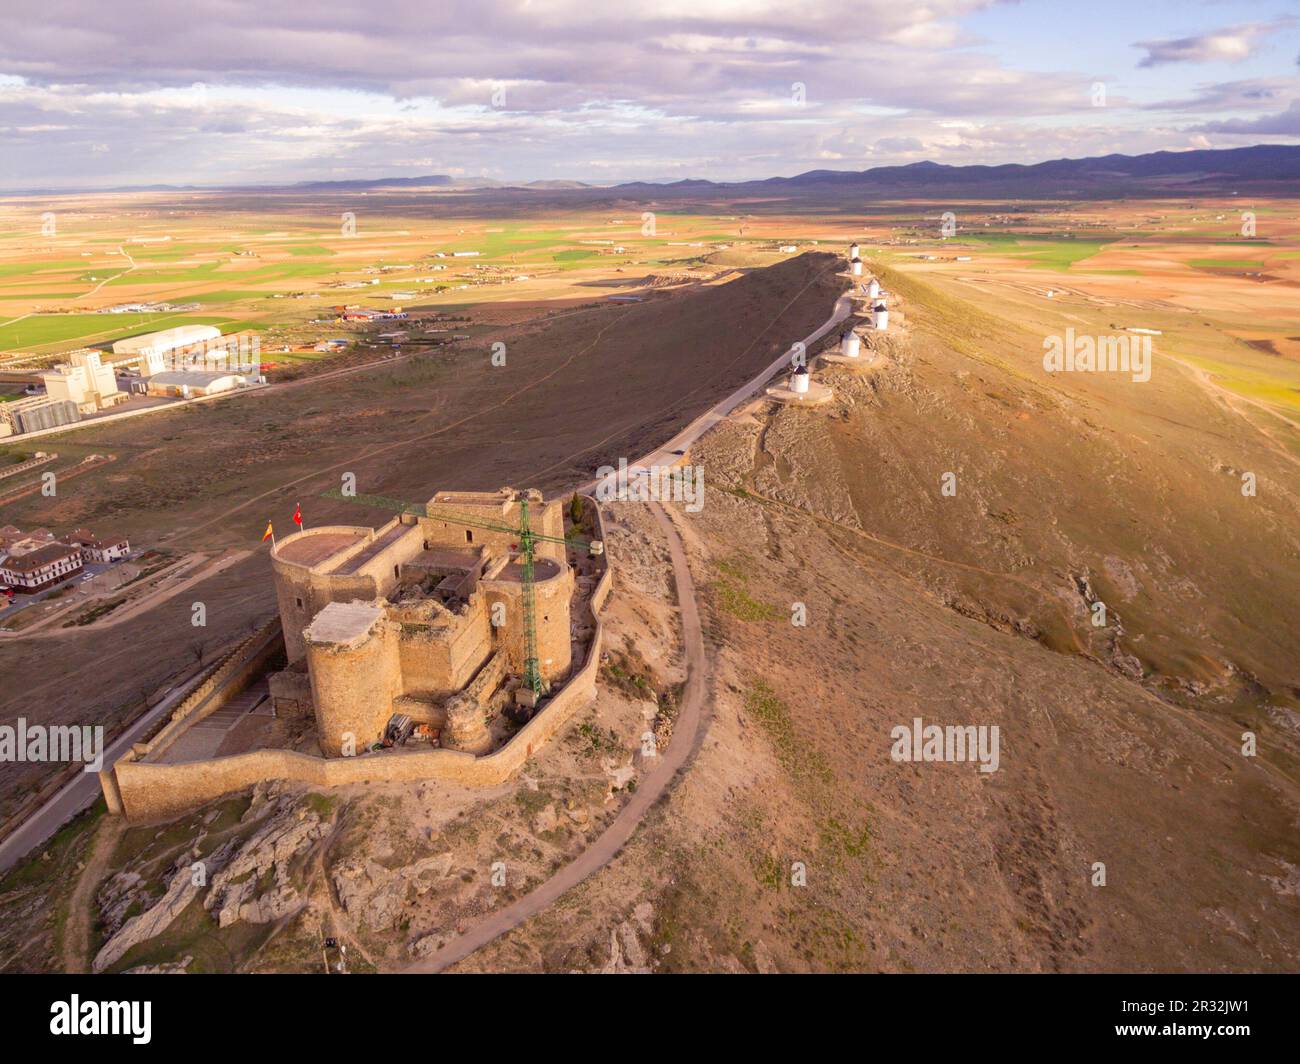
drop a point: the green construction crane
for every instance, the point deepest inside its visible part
(527, 544)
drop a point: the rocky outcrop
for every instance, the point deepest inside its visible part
(182, 890)
(179, 967)
(248, 880)
(377, 895)
(627, 954)
(255, 885)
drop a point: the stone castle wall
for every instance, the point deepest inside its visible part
(353, 688)
(435, 664)
(143, 791)
(552, 622)
(301, 594)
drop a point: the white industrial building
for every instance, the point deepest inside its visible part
(85, 381)
(150, 350)
(188, 384)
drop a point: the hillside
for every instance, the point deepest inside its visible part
(1120, 745)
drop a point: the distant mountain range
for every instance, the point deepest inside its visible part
(1209, 170)
(434, 181)
(1263, 168)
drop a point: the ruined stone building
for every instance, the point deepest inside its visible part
(420, 616)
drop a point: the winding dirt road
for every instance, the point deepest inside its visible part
(649, 788)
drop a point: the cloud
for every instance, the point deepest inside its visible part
(1282, 124)
(272, 91)
(1253, 95)
(1231, 44)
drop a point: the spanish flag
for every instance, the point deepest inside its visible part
(269, 532)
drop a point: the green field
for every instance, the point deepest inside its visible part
(41, 330)
(1044, 252)
(1228, 264)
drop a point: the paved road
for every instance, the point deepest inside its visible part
(651, 785)
(80, 793)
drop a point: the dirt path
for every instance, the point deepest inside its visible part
(121, 250)
(649, 788)
(75, 946)
(338, 921)
(160, 592)
(1232, 403)
(207, 568)
(84, 466)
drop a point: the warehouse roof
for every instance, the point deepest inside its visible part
(194, 378)
(166, 339)
(51, 552)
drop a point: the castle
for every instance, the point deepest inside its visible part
(423, 616)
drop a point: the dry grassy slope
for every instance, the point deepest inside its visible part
(576, 390)
(1057, 479)
(936, 867)
(962, 871)
(1134, 486)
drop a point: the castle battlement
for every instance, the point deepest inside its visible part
(416, 607)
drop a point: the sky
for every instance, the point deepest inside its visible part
(230, 92)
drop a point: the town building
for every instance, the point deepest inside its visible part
(41, 568)
(35, 413)
(151, 350)
(96, 549)
(16, 542)
(32, 561)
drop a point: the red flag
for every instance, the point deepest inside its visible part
(297, 515)
(268, 533)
